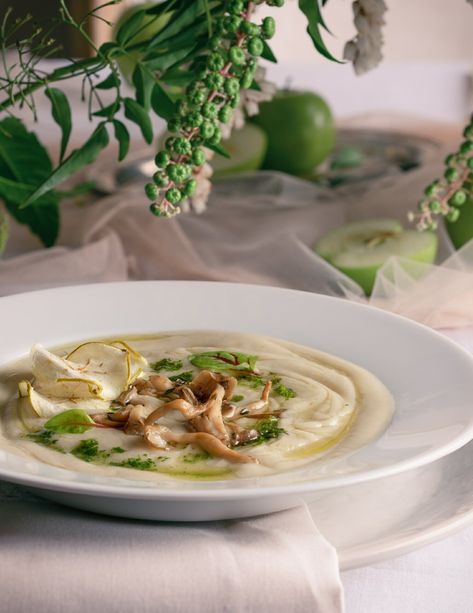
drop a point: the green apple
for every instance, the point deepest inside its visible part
(127, 63)
(359, 249)
(300, 130)
(247, 148)
(461, 231)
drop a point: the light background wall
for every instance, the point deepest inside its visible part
(434, 30)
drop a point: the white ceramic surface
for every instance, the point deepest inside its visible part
(430, 377)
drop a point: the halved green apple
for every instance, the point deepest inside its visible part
(359, 249)
(247, 147)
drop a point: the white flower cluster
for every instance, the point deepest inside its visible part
(364, 50)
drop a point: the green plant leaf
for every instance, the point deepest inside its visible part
(268, 53)
(170, 58)
(3, 232)
(109, 82)
(220, 149)
(177, 77)
(161, 103)
(180, 21)
(143, 81)
(74, 421)
(130, 27)
(25, 164)
(61, 112)
(136, 113)
(311, 10)
(108, 111)
(123, 137)
(183, 38)
(79, 158)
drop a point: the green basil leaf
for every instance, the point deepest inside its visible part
(136, 113)
(61, 112)
(109, 83)
(3, 233)
(161, 103)
(79, 158)
(130, 27)
(74, 421)
(223, 360)
(143, 81)
(311, 10)
(123, 137)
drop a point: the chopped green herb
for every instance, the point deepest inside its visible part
(116, 450)
(45, 438)
(183, 377)
(223, 360)
(237, 398)
(285, 392)
(193, 458)
(166, 364)
(268, 429)
(252, 381)
(87, 450)
(141, 463)
(74, 421)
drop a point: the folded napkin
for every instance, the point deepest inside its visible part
(58, 560)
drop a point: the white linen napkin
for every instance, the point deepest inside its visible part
(58, 560)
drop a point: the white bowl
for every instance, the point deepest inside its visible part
(429, 376)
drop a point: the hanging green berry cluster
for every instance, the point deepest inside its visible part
(446, 196)
(227, 68)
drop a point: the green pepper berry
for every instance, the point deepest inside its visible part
(246, 79)
(182, 146)
(237, 56)
(466, 147)
(182, 108)
(453, 215)
(216, 137)
(190, 187)
(162, 159)
(236, 7)
(451, 174)
(154, 208)
(173, 195)
(152, 191)
(215, 42)
(232, 86)
(468, 132)
(268, 27)
(174, 125)
(431, 189)
(435, 206)
(423, 205)
(232, 23)
(197, 98)
(277, 3)
(469, 163)
(234, 100)
(255, 46)
(177, 173)
(160, 178)
(194, 119)
(209, 110)
(250, 29)
(169, 143)
(198, 157)
(225, 113)
(458, 198)
(215, 80)
(215, 62)
(207, 129)
(433, 225)
(450, 159)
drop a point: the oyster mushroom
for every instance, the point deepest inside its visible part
(136, 419)
(211, 419)
(159, 436)
(205, 383)
(187, 410)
